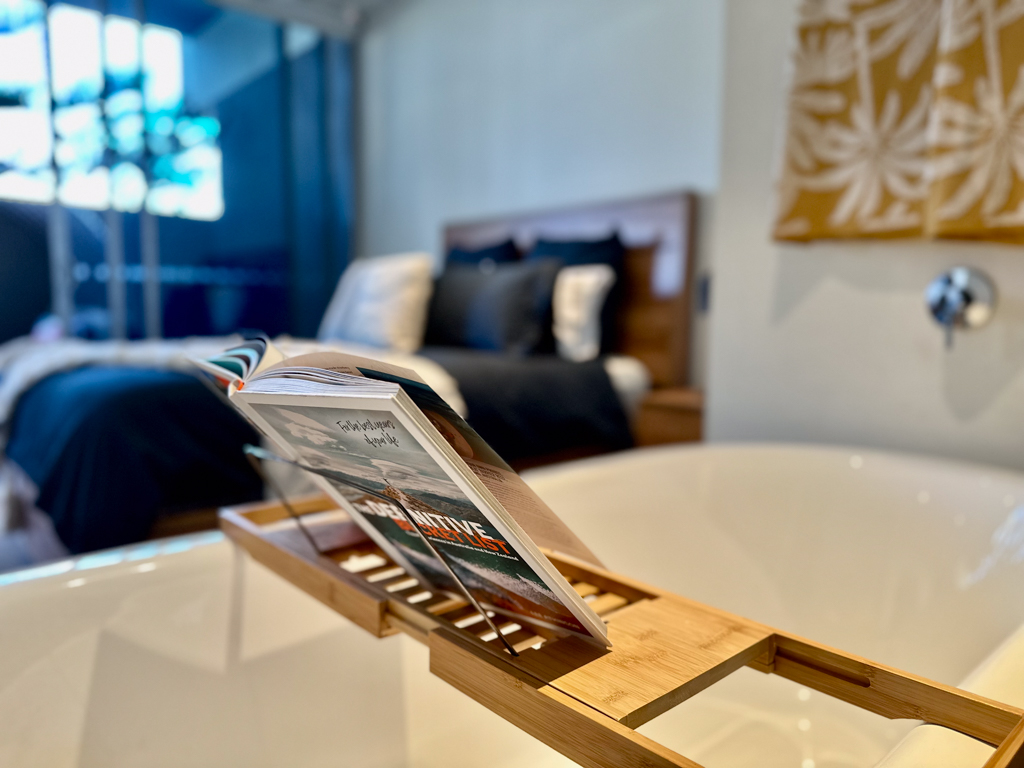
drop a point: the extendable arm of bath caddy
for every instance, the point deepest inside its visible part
(583, 701)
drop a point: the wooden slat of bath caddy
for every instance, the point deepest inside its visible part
(584, 701)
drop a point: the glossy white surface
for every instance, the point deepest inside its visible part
(182, 653)
(866, 550)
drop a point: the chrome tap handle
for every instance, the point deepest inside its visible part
(962, 298)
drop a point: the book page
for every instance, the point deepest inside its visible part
(271, 357)
(341, 362)
(236, 364)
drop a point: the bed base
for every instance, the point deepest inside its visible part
(586, 702)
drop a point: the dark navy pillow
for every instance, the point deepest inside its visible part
(608, 251)
(506, 308)
(499, 254)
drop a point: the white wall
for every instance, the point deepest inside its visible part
(477, 107)
(831, 343)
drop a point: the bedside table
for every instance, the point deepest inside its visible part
(670, 415)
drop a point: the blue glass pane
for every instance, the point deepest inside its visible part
(77, 83)
(187, 183)
(116, 130)
(121, 47)
(128, 187)
(26, 142)
(76, 70)
(185, 167)
(123, 106)
(163, 88)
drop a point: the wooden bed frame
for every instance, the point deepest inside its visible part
(659, 235)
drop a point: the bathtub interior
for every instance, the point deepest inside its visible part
(908, 561)
(185, 648)
(883, 555)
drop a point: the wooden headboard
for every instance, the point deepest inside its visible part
(658, 232)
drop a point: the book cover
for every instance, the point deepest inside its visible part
(374, 449)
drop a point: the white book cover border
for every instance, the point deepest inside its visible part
(386, 402)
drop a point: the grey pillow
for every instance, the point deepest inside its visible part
(506, 308)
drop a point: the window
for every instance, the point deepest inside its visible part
(118, 135)
(26, 137)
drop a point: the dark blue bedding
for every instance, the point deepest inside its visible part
(110, 448)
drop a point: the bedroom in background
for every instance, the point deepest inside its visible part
(550, 339)
(172, 169)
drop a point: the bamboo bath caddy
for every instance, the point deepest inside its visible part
(586, 702)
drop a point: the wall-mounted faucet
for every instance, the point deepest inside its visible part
(962, 298)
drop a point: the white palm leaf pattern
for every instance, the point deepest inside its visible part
(868, 158)
(912, 26)
(817, 12)
(825, 58)
(941, 146)
(960, 25)
(804, 107)
(986, 142)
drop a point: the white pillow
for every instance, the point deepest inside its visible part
(381, 302)
(579, 297)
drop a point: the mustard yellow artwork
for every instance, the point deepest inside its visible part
(906, 119)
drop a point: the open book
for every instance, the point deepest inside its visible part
(415, 476)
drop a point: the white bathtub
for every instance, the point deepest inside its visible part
(183, 653)
(913, 562)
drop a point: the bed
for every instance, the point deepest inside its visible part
(652, 338)
(659, 236)
(114, 441)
